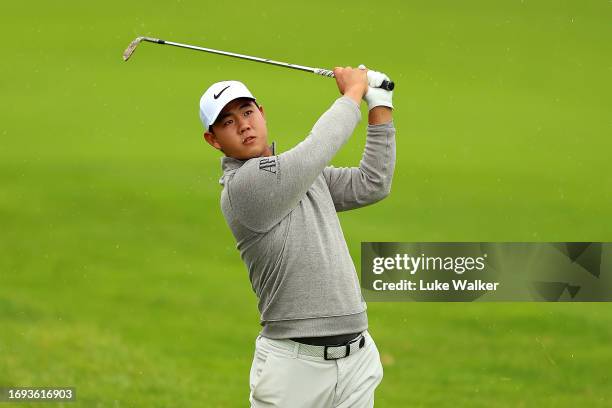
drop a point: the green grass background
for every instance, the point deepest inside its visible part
(119, 276)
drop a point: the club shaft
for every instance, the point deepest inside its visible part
(235, 55)
(388, 85)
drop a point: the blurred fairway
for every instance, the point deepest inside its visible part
(119, 276)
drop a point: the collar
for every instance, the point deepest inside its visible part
(231, 164)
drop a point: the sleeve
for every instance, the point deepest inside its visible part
(266, 189)
(354, 187)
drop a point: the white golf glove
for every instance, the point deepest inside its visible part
(377, 96)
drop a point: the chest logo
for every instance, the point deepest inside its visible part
(268, 164)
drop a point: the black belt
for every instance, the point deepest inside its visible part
(337, 340)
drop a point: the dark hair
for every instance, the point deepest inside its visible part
(210, 129)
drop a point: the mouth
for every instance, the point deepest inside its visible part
(248, 140)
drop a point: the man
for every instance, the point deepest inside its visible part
(314, 349)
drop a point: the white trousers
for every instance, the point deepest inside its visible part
(288, 379)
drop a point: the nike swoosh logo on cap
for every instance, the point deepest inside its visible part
(219, 94)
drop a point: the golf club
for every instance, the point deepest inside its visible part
(388, 85)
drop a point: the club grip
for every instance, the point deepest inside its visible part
(387, 85)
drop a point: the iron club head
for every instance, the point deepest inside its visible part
(132, 47)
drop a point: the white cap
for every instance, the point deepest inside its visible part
(217, 96)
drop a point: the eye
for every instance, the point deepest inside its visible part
(228, 122)
(247, 113)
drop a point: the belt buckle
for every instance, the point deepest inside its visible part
(360, 339)
(325, 357)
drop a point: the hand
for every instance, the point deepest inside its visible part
(377, 96)
(352, 82)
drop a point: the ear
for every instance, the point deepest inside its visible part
(212, 140)
(261, 109)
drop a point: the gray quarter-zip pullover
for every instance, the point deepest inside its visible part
(282, 211)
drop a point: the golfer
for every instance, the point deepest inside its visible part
(314, 349)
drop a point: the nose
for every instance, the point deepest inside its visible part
(244, 125)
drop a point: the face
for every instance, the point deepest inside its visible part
(240, 131)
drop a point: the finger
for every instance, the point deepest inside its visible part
(375, 78)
